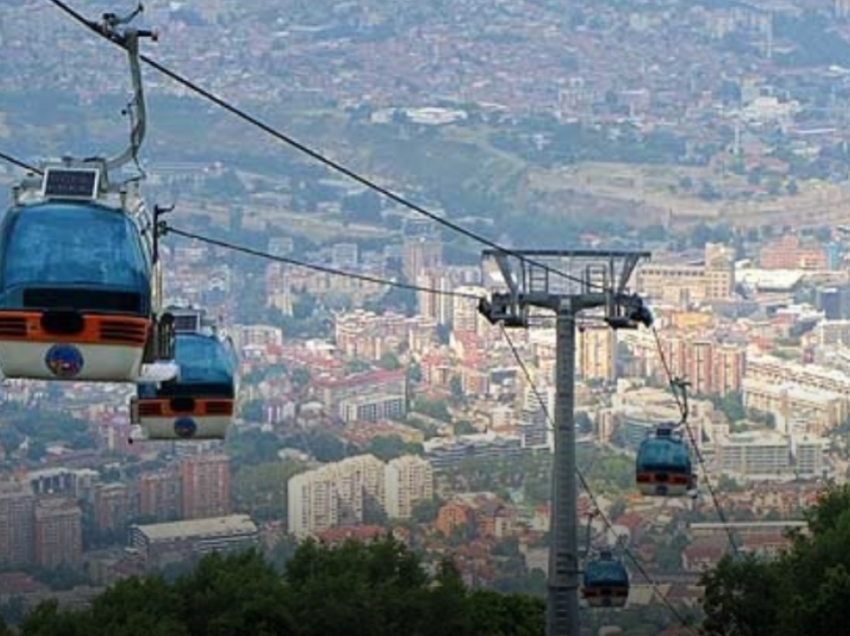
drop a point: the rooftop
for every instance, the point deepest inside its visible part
(215, 526)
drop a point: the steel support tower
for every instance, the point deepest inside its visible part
(588, 280)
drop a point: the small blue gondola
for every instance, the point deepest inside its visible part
(664, 467)
(75, 292)
(200, 402)
(606, 582)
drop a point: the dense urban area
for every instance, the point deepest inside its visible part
(712, 133)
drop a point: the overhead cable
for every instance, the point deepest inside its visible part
(316, 155)
(318, 268)
(20, 163)
(674, 384)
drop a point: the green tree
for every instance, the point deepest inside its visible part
(414, 373)
(304, 306)
(301, 377)
(804, 591)
(464, 427)
(356, 366)
(743, 593)
(387, 447)
(260, 489)
(139, 607)
(437, 409)
(362, 590)
(426, 511)
(732, 406)
(234, 595)
(252, 446)
(389, 361)
(322, 445)
(12, 611)
(495, 614)
(48, 620)
(456, 387)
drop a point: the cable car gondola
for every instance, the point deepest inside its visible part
(663, 467)
(78, 282)
(200, 402)
(606, 581)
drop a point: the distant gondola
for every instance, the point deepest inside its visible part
(200, 403)
(663, 467)
(606, 582)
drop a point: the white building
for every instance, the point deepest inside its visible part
(408, 480)
(334, 495)
(762, 454)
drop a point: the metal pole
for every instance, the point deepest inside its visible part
(562, 612)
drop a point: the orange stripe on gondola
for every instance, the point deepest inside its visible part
(604, 591)
(162, 407)
(126, 331)
(663, 478)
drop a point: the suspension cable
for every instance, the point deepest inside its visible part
(586, 486)
(320, 157)
(20, 163)
(678, 386)
(318, 268)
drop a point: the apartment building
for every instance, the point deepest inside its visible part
(338, 494)
(17, 508)
(822, 409)
(205, 486)
(408, 480)
(58, 532)
(688, 284)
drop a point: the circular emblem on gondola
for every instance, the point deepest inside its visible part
(185, 427)
(64, 360)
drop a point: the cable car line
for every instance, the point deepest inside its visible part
(318, 156)
(586, 485)
(677, 385)
(19, 163)
(319, 268)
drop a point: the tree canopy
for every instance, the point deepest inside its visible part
(806, 590)
(379, 589)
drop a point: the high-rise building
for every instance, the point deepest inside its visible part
(420, 255)
(438, 305)
(160, 495)
(701, 366)
(709, 367)
(342, 493)
(205, 481)
(729, 368)
(719, 271)
(596, 352)
(809, 455)
(409, 480)
(58, 532)
(465, 314)
(111, 507)
(17, 504)
(279, 287)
